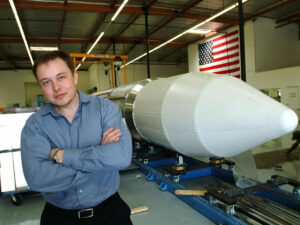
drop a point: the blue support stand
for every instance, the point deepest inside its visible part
(197, 169)
(214, 213)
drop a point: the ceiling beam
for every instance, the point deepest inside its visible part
(18, 58)
(9, 61)
(181, 59)
(195, 2)
(21, 59)
(141, 40)
(62, 22)
(167, 55)
(113, 3)
(186, 8)
(203, 36)
(166, 22)
(132, 47)
(190, 5)
(131, 21)
(98, 24)
(270, 8)
(152, 32)
(83, 41)
(259, 13)
(8, 68)
(289, 17)
(25, 4)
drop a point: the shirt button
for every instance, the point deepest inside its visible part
(80, 190)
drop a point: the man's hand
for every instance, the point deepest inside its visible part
(110, 136)
(59, 154)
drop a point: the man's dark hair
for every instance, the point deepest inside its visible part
(51, 56)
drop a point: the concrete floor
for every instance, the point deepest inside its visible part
(164, 208)
(245, 163)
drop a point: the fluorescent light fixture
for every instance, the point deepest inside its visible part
(43, 49)
(141, 56)
(78, 67)
(12, 5)
(187, 31)
(119, 10)
(102, 33)
(199, 31)
(91, 48)
(97, 40)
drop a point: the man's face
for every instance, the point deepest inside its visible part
(57, 82)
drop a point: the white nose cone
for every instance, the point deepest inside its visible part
(203, 115)
(239, 117)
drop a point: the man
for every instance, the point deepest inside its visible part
(73, 148)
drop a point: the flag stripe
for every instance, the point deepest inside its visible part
(223, 68)
(220, 66)
(222, 62)
(226, 43)
(237, 73)
(226, 47)
(225, 39)
(221, 55)
(225, 54)
(227, 57)
(229, 74)
(232, 74)
(227, 50)
(225, 36)
(228, 71)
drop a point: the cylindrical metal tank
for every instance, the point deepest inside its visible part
(124, 97)
(202, 115)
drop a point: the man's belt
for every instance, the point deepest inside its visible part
(83, 213)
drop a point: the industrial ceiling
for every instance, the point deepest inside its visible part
(74, 25)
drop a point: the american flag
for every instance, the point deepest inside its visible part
(221, 55)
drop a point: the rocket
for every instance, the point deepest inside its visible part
(201, 114)
(196, 114)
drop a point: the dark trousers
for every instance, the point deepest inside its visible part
(113, 211)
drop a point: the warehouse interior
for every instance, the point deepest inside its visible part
(271, 46)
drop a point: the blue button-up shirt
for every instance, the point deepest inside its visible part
(89, 173)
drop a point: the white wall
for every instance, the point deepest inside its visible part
(277, 78)
(273, 78)
(135, 72)
(83, 81)
(12, 88)
(275, 48)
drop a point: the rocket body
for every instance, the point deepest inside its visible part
(202, 115)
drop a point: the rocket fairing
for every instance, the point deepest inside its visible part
(201, 114)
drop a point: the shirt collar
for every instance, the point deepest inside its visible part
(49, 108)
(83, 97)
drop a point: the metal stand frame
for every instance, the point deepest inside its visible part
(206, 204)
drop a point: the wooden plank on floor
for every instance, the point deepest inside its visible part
(139, 209)
(190, 192)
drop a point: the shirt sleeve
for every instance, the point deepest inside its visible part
(42, 174)
(112, 156)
